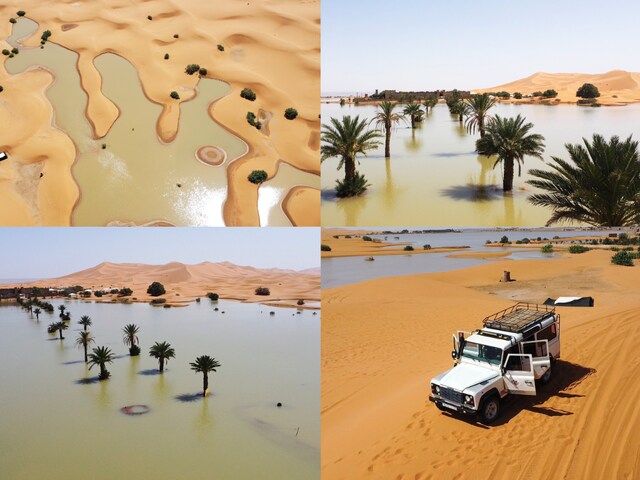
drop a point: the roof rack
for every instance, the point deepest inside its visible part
(518, 317)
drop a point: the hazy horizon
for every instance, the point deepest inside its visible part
(416, 45)
(59, 251)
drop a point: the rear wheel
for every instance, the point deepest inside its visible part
(489, 409)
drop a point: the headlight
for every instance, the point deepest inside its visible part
(435, 388)
(468, 399)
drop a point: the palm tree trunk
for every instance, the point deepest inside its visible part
(387, 140)
(60, 332)
(349, 169)
(103, 372)
(85, 354)
(507, 179)
(161, 364)
(413, 122)
(481, 126)
(205, 384)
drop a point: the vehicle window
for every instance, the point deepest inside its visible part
(519, 364)
(481, 352)
(548, 333)
(513, 349)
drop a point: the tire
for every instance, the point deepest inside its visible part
(489, 409)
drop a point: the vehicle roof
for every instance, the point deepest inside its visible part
(491, 341)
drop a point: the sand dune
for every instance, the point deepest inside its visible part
(378, 357)
(616, 87)
(186, 282)
(270, 46)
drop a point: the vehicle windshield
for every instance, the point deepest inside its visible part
(484, 353)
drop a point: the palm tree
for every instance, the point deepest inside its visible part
(85, 321)
(84, 339)
(509, 139)
(59, 326)
(163, 352)
(600, 186)
(204, 364)
(414, 112)
(458, 108)
(385, 118)
(477, 112)
(37, 311)
(101, 356)
(130, 338)
(62, 308)
(346, 139)
(430, 102)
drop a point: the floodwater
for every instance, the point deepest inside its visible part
(434, 177)
(345, 270)
(137, 178)
(54, 426)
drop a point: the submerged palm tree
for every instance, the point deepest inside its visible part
(414, 112)
(62, 308)
(85, 321)
(130, 338)
(477, 112)
(458, 108)
(346, 139)
(204, 364)
(385, 118)
(510, 140)
(430, 102)
(101, 356)
(37, 311)
(83, 340)
(163, 352)
(599, 186)
(59, 327)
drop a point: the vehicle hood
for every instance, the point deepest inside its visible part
(466, 375)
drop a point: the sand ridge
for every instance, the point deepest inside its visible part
(378, 357)
(271, 47)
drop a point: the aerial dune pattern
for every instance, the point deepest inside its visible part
(184, 283)
(617, 87)
(271, 47)
(379, 355)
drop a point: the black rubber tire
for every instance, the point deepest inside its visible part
(489, 410)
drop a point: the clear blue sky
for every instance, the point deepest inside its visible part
(51, 252)
(427, 45)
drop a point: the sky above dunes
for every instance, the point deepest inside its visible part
(428, 45)
(27, 253)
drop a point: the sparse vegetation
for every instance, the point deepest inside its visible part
(248, 94)
(408, 248)
(156, 289)
(21, 13)
(588, 90)
(166, 56)
(6, 52)
(548, 248)
(257, 176)
(578, 249)
(124, 292)
(325, 248)
(192, 68)
(252, 120)
(550, 93)
(175, 95)
(624, 258)
(45, 35)
(504, 239)
(15, 51)
(158, 301)
(175, 35)
(352, 187)
(300, 302)
(264, 291)
(517, 96)
(221, 48)
(367, 238)
(213, 296)
(149, 17)
(202, 72)
(426, 247)
(290, 113)
(13, 20)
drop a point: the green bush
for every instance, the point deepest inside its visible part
(588, 90)
(537, 93)
(300, 302)
(427, 247)
(525, 240)
(13, 20)
(202, 72)
(257, 176)
(134, 350)
(149, 17)
(548, 248)
(325, 248)
(342, 102)
(550, 93)
(251, 120)
(352, 187)
(45, 35)
(517, 95)
(15, 51)
(504, 239)
(158, 301)
(578, 249)
(175, 95)
(192, 68)
(156, 289)
(221, 48)
(213, 296)
(6, 52)
(615, 249)
(124, 292)
(290, 113)
(166, 56)
(262, 291)
(1, 89)
(622, 258)
(175, 35)
(21, 13)
(367, 238)
(248, 94)
(408, 248)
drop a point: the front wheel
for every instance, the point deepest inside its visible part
(489, 409)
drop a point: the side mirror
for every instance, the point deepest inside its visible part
(454, 354)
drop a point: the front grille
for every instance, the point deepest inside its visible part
(451, 395)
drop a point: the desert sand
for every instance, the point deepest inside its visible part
(185, 283)
(379, 356)
(616, 87)
(272, 47)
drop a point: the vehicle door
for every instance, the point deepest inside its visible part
(518, 374)
(539, 350)
(458, 344)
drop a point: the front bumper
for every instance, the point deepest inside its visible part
(450, 406)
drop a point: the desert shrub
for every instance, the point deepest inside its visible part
(627, 249)
(175, 35)
(15, 51)
(367, 238)
(12, 20)
(408, 248)
(622, 258)
(156, 289)
(525, 240)
(536, 94)
(248, 94)
(578, 249)
(427, 247)
(290, 113)
(587, 101)
(503, 94)
(221, 48)
(149, 17)
(251, 120)
(556, 237)
(548, 248)
(615, 249)
(125, 292)
(21, 13)
(1, 89)
(166, 56)
(325, 248)
(45, 35)
(175, 95)
(588, 90)
(202, 72)
(517, 95)
(134, 350)
(352, 187)
(623, 239)
(158, 301)
(264, 291)
(550, 93)
(213, 296)
(300, 302)
(98, 294)
(257, 176)
(504, 239)
(192, 68)
(6, 52)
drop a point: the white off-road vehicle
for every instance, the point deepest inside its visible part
(515, 349)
